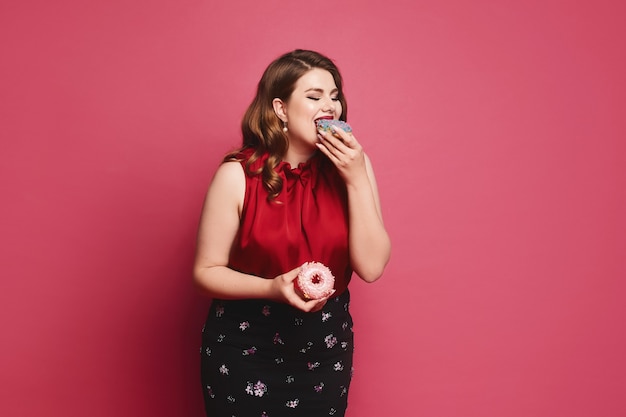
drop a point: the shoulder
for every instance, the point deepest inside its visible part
(229, 174)
(228, 186)
(251, 159)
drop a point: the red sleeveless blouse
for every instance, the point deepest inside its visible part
(308, 221)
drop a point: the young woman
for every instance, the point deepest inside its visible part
(291, 194)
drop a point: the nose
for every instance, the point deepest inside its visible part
(329, 105)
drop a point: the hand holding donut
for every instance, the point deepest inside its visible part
(338, 143)
(315, 281)
(283, 289)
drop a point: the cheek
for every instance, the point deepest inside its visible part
(313, 107)
(306, 109)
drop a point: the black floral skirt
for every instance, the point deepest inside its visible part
(266, 359)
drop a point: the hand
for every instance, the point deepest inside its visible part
(282, 288)
(344, 151)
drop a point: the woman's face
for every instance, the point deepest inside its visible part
(315, 96)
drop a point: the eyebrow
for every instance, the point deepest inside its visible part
(321, 90)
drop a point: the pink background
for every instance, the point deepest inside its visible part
(497, 129)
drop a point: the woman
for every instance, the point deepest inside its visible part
(290, 194)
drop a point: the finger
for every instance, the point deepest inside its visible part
(345, 137)
(344, 145)
(322, 147)
(298, 302)
(316, 305)
(322, 302)
(334, 146)
(331, 137)
(292, 275)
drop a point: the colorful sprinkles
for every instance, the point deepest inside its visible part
(325, 124)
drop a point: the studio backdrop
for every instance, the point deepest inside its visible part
(496, 130)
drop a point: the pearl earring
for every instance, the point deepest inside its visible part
(285, 129)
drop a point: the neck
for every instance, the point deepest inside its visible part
(294, 157)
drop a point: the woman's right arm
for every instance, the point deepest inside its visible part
(218, 228)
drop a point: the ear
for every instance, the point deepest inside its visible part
(280, 108)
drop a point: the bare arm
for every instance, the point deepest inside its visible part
(370, 246)
(217, 231)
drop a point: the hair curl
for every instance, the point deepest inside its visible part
(262, 129)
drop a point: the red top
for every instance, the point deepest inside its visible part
(308, 221)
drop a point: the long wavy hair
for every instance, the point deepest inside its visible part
(262, 129)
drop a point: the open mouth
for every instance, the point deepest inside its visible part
(316, 122)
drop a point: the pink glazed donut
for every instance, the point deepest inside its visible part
(314, 281)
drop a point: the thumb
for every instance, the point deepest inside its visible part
(292, 275)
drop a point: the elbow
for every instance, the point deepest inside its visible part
(199, 286)
(198, 273)
(197, 283)
(200, 281)
(372, 266)
(372, 272)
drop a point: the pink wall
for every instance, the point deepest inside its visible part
(497, 129)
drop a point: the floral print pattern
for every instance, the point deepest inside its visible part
(263, 359)
(258, 389)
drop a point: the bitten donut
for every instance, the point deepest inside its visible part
(314, 281)
(325, 124)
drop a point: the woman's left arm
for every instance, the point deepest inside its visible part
(369, 243)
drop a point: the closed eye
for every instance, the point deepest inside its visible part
(319, 98)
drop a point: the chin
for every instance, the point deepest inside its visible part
(310, 140)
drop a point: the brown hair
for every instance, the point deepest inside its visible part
(262, 129)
